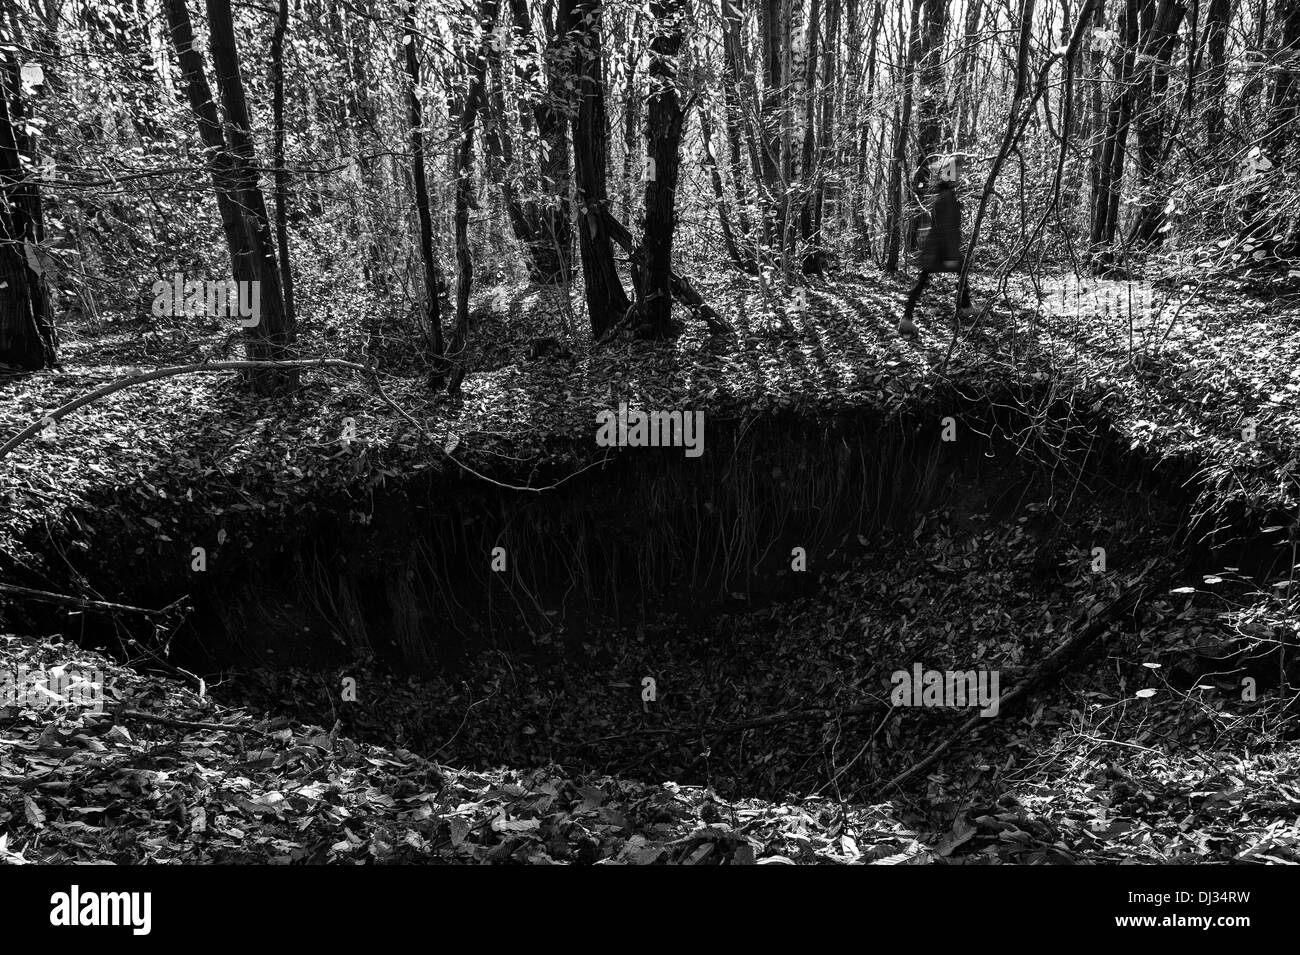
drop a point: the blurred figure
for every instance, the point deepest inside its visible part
(941, 251)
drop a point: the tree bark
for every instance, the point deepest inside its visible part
(733, 68)
(929, 123)
(272, 337)
(1284, 97)
(477, 58)
(432, 276)
(230, 163)
(894, 214)
(281, 174)
(739, 259)
(664, 121)
(1217, 20)
(607, 302)
(27, 336)
(1151, 86)
(1110, 169)
(551, 245)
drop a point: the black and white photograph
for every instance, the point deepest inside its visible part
(831, 433)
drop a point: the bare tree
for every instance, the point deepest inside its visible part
(432, 275)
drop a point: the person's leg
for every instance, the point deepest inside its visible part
(922, 281)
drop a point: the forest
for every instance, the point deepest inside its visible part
(649, 431)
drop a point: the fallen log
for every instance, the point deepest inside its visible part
(1091, 628)
(682, 289)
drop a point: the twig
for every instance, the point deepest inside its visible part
(188, 724)
(84, 602)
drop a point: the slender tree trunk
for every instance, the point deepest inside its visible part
(432, 276)
(27, 336)
(812, 258)
(738, 259)
(629, 43)
(500, 151)
(281, 174)
(1096, 57)
(826, 192)
(239, 198)
(220, 162)
(961, 92)
(733, 69)
(894, 214)
(770, 119)
(1110, 171)
(474, 96)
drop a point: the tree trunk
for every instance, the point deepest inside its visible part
(1217, 21)
(771, 110)
(664, 121)
(607, 302)
(631, 112)
(1151, 85)
(962, 96)
(220, 162)
(740, 260)
(1110, 171)
(1284, 98)
(930, 92)
(272, 337)
(501, 159)
(733, 69)
(812, 259)
(27, 336)
(894, 214)
(477, 59)
(432, 277)
(281, 174)
(551, 245)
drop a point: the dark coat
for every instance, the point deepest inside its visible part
(942, 249)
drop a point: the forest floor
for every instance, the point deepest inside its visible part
(1180, 383)
(1132, 760)
(1113, 780)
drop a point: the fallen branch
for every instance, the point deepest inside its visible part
(84, 602)
(212, 367)
(682, 289)
(1055, 664)
(188, 724)
(207, 367)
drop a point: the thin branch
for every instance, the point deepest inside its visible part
(83, 602)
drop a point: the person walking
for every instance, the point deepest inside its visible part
(941, 251)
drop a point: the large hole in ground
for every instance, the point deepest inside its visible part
(490, 627)
(735, 619)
